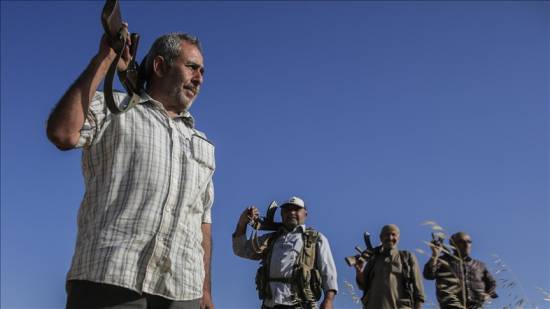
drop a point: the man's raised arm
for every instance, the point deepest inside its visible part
(67, 118)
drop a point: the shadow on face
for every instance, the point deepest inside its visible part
(293, 215)
(463, 243)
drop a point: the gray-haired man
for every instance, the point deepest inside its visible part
(144, 234)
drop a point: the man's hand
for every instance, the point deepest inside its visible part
(436, 250)
(359, 272)
(108, 53)
(359, 265)
(206, 301)
(250, 214)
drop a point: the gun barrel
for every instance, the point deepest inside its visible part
(368, 243)
(351, 260)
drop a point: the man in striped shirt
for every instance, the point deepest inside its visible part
(144, 224)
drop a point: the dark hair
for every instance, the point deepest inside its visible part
(456, 236)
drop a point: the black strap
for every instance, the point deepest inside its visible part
(118, 39)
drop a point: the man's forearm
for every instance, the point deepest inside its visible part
(68, 116)
(429, 268)
(328, 300)
(240, 229)
(207, 257)
(360, 279)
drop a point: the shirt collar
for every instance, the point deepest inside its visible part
(185, 116)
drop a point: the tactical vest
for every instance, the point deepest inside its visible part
(306, 278)
(407, 272)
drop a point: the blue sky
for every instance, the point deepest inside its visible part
(372, 112)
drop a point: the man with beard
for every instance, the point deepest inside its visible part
(296, 261)
(144, 225)
(458, 276)
(391, 278)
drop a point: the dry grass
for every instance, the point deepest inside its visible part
(352, 292)
(509, 286)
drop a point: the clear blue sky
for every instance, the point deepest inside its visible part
(373, 112)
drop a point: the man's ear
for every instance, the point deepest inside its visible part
(159, 66)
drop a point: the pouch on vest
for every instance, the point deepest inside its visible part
(308, 282)
(315, 284)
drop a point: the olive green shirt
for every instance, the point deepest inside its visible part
(387, 282)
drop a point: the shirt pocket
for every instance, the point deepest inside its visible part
(203, 151)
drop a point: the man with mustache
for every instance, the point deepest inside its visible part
(391, 278)
(144, 225)
(458, 276)
(296, 261)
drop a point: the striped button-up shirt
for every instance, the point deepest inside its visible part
(285, 252)
(149, 188)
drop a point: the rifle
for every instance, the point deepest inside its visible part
(363, 255)
(266, 223)
(437, 239)
(118, 38)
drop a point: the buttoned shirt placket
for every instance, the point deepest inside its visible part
(158, 262)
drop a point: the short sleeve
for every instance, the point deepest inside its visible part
(95, 117)
(208, 201)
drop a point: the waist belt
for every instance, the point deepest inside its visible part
(281, 280)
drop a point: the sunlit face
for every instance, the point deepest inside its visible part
(389, 238)
(185, 77)
(463, 243)
(293, 216)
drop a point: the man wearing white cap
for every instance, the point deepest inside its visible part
(296, 262)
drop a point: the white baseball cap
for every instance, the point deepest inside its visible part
(294, 201)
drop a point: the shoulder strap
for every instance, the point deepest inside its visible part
(309, 248)
(406, 262)
(119, 38)
(271, 238)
